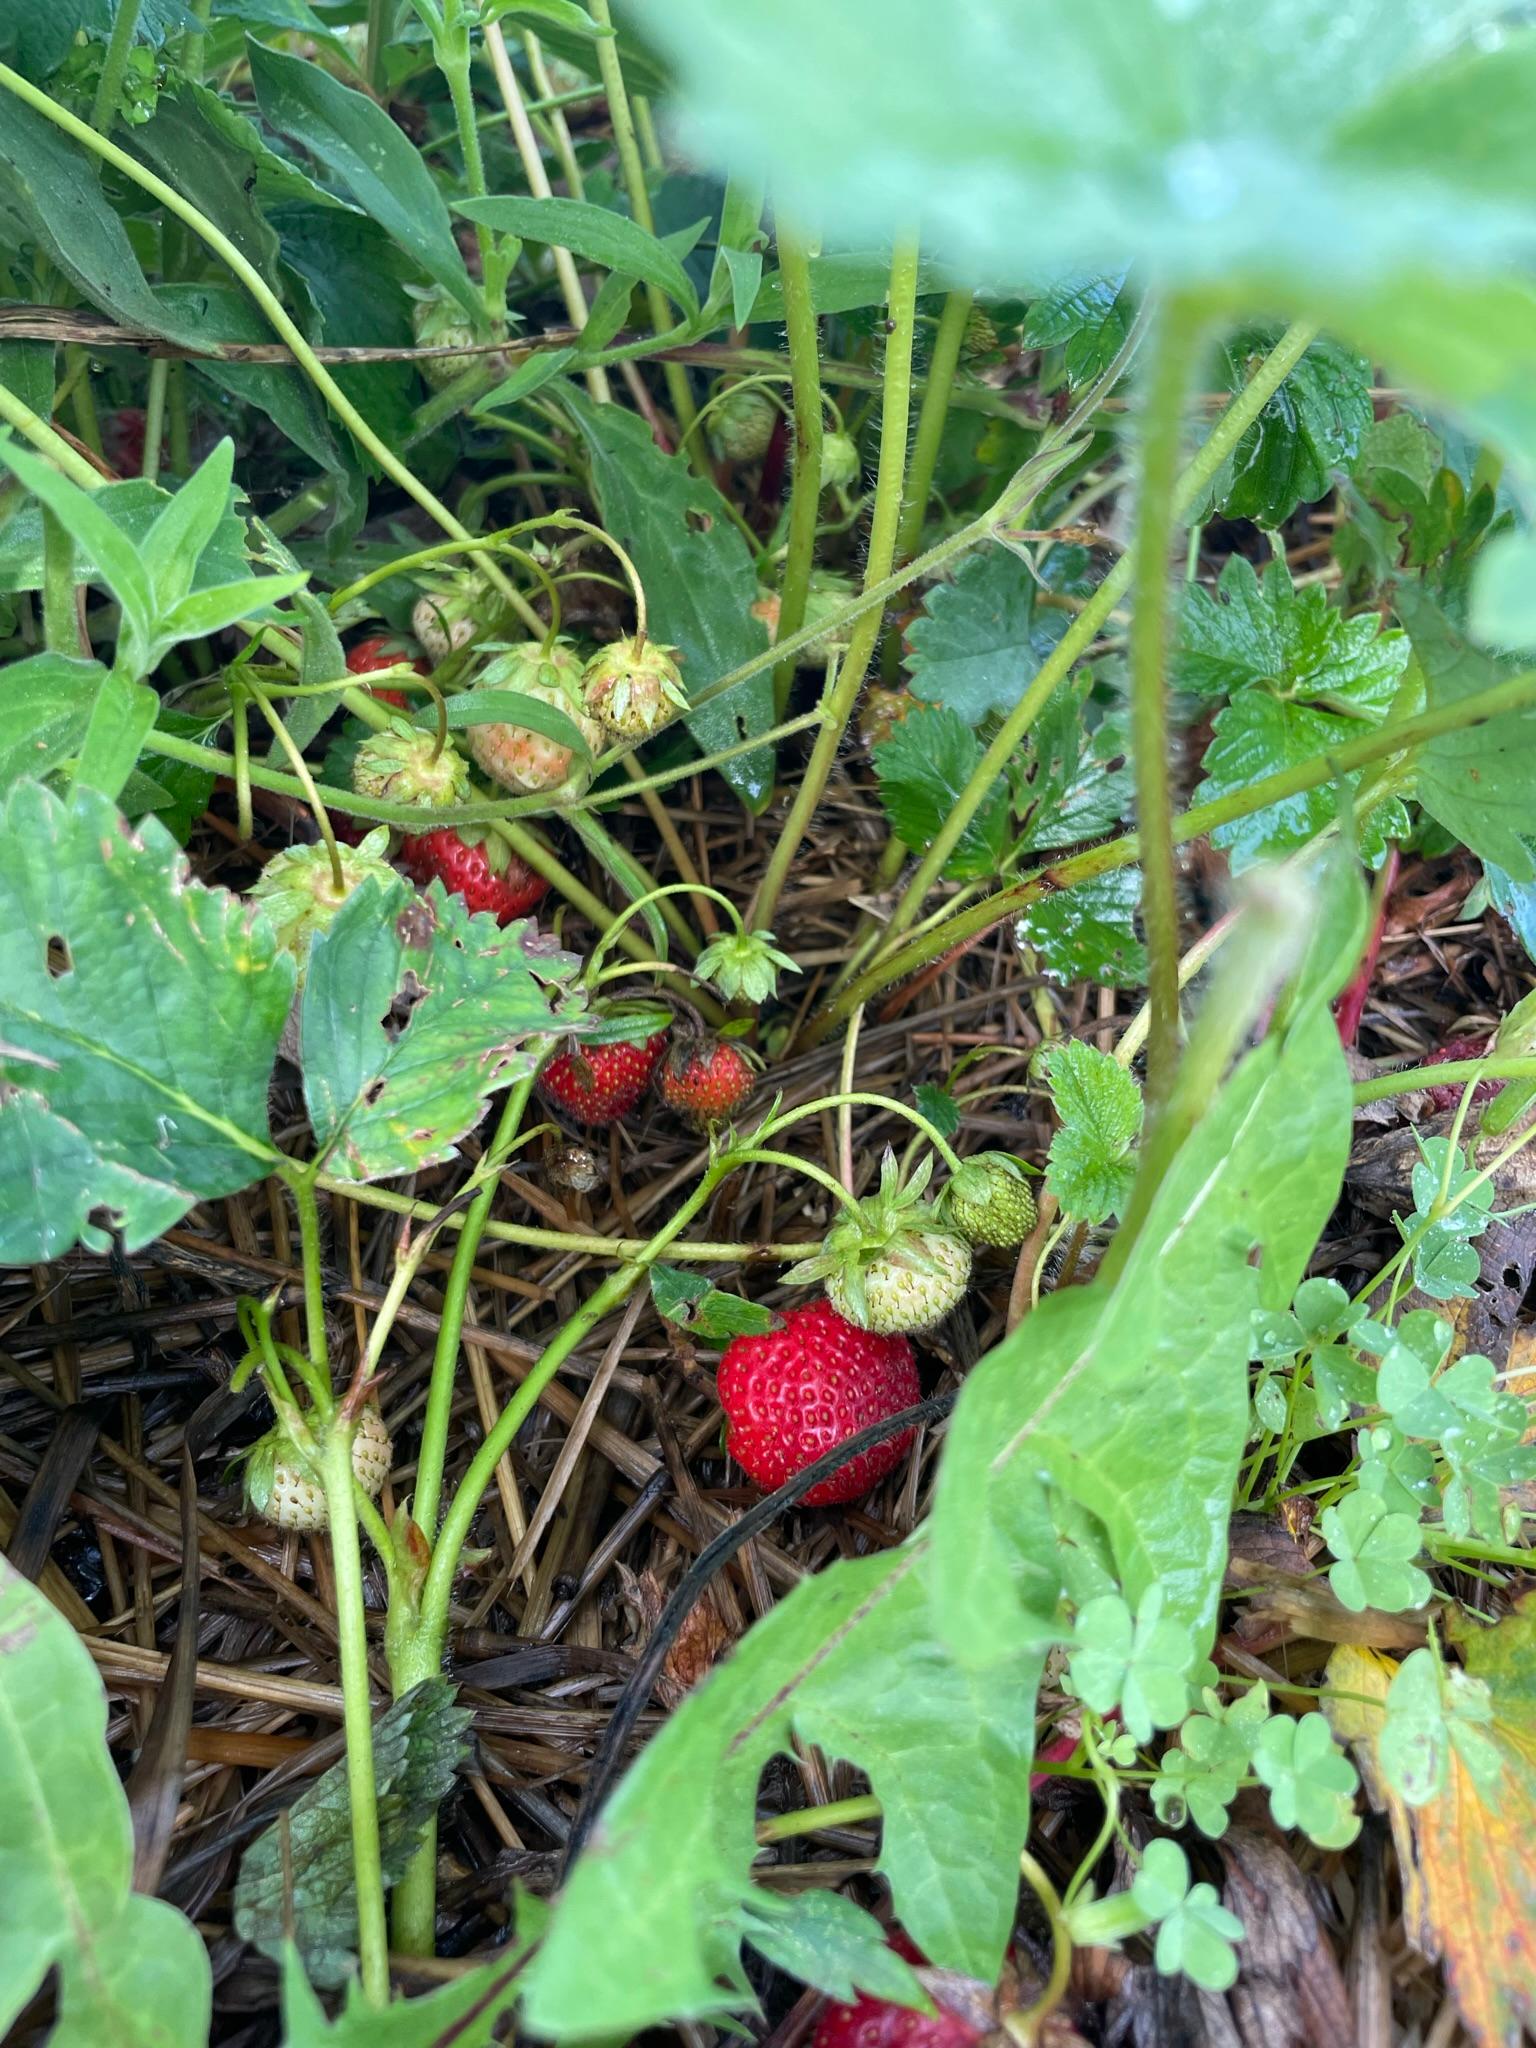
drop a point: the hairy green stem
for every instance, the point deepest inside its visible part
(1447, 1074)
(276, 314)
(194, 42)
(1080, 635)
(114, 65)
(931, 420)
(843, 691)
(803, 331)
(445, 1357)
(1516, 693)
(357, 1715)
(633, 170)
(303, 1186)
(1175, 333)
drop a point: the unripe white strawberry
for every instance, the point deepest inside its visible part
(828, 595)
(839, 461)
(451, 614)
(743, 422)
(518, 758)
(404, 766)
(632, 687)
(892, 1266)
(297, 888)
(281, 1485)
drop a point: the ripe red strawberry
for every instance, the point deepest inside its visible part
(875, 2023)
(798, 1392)
(123, 433)
(598, 1084)
(380, 651)
(704, 1079)
(481, 869)
(1448, 1097)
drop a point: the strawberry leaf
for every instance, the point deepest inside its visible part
(1090, 1166)
(1087, 932)
(413, 1013)
(980, 638)
(690, 1301)
(1088, 318)
(1313, 425)
(923, 766)
(139, 1019)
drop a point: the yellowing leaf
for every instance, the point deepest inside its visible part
(1357, 1722)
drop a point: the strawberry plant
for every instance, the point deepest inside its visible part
(767, 911)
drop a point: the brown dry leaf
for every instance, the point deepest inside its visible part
(701, 1641)
(1474, 1903)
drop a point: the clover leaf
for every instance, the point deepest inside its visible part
(1195, 1932)
(1432, 1709)
(1311, 1781)
(1374, 1547)
(1139, 1665)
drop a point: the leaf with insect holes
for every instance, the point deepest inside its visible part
(1312, 426)
(1087, 932)
(849, 1661)
(1090, 1166)
(922, 768)
(699, 580)
(690, 1301)
(419, 1746)
(826, 1940)
(130, 1970)
(980, 639)
(139, 1020)
(413, 1014)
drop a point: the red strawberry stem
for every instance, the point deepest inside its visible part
(1350, 1006)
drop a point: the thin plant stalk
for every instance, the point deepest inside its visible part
(538, 184)
(803, 330)
(194, 42)
(380, 32)
(1175, 333)
(843, 687)
(276, 313)
(31, 426)
(632, 168)
(154, 418)
(931, 419)
(114, 66)
(357, 1715)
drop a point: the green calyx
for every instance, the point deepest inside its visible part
(989, 1201)
(556, 666)
(633, 687)
(406, 767)
(744, 965)
(895, 1266)
(297, 888)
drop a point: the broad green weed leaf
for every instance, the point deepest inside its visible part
(139, 1019)
(118, 561)
(1132, 1400)
(922, 767)
(849, 1661)
(698, 577)
(122, 718)
(418, 1747)
(979, 639)
(131, 1970)
(591, 232)
(354, 138)
(45, 710)
(183, 528)
(1090, 1166)
(133, 508)
(54, 185)
(413, 1013)
(842, 281)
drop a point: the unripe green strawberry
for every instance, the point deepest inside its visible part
(516, 756)
(827, 596)
(893, 1266)
(281, 1484)
(632, 687)
(439, 322)
(404, 766)
(743, 422)
(840, 463)
(297, 888)
(988, 1201)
